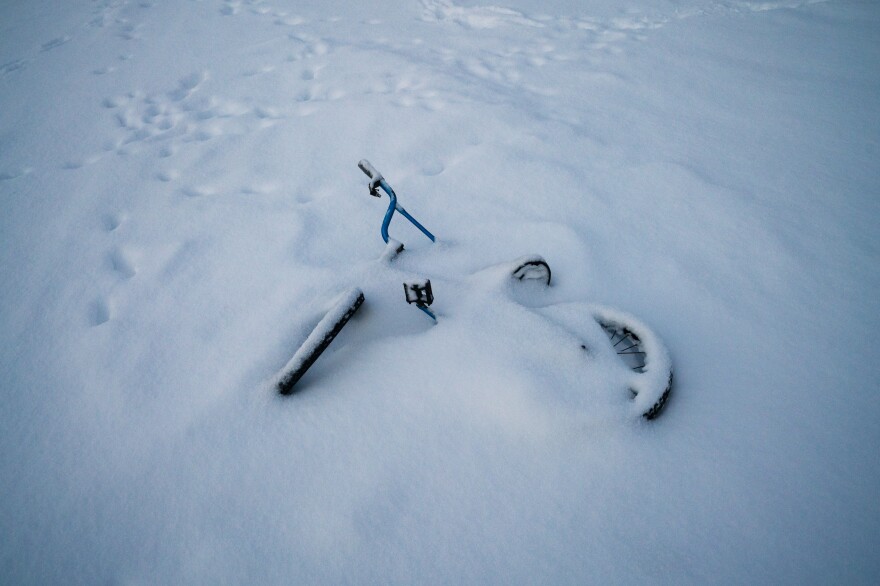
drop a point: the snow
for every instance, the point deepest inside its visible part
(181, 202)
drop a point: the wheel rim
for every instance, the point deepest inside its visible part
(628, 347)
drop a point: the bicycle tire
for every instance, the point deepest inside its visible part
(640, 350)
(319, 339)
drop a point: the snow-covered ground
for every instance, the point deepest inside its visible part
(181, 201)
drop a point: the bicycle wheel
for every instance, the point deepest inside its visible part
(642, 352)
(531, 268)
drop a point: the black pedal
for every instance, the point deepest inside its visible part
(419, 292)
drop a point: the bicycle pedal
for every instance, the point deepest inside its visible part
(419, 292)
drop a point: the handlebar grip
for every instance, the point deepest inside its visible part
(370, 171)
(375, 177)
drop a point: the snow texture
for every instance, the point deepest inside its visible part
(180, 199)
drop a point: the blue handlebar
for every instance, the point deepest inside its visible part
(393, 205)
(376, 180)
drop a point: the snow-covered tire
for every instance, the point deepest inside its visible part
(327, 329)
(532, 267)
(644, 354)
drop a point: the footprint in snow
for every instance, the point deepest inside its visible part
(99, 312)
(198, 190)
(11, 66)
(130, 32)
(310, 46)
(80, 163)
(111, 222)
(290, 21)
(262, 70)
(432, 168)
(260, 188)
(187, 85)
(111, 102)
(57, 42)
(121, 264)
(267, 113)
(15, 174)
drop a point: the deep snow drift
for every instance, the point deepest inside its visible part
(181, 201)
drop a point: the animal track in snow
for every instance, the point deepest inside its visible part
(739, 6)
(14, 174)
(11, 66)
(262, 70)
(99, 312)
(431, 168)
(187, 85)
(267, 113)
(233, 7)
(474, 17)
(121, 264)
(167, 175)
(80, 163)
(764, 6)
(230, 8)
(199, 190)
(308, 46)
(106, 13)
(260, 188)
(57, 42)
(111, 222)
(184, 115)
(407, 91)
(130, 32)
(290, 21)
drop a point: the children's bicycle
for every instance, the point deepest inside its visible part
(616, 339)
